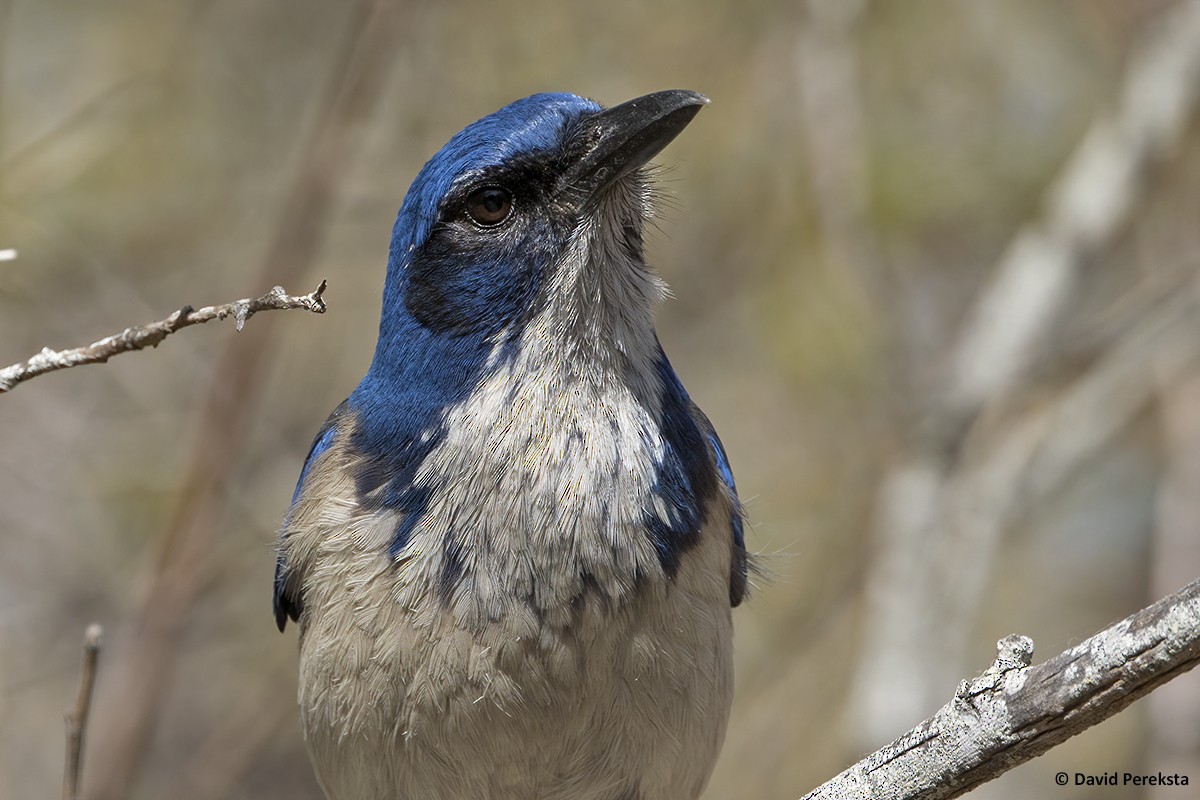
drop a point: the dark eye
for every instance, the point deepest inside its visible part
(490, 205)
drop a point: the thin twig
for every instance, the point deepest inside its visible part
(77, 715)
(142, 336)
(1014, 712)
(352, 90)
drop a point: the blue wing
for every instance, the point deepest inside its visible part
(740, 564)
(287, 601)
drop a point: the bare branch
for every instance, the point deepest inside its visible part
(143, 336)
(1014, 712)
(77, 715)
(352, 90)
(918, 604)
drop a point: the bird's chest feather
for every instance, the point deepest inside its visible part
(551, 484)
(528, 612)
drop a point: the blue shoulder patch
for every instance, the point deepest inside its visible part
(287, 601)
(737, 576)
(726, 473)
(714, 450)
(686, 479)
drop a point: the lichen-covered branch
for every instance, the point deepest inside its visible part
(142, 336)
(1014, 712)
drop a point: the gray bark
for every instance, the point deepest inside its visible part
(1014, 712)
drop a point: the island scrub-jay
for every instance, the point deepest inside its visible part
(513, 550)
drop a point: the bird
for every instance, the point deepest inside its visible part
(514, 550)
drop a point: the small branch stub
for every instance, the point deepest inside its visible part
(77, 715)
(143, 336)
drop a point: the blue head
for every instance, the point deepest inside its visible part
(474, 235)
(505, 207)
(518, 252)
(534, 211)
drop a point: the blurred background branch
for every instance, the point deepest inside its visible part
(944, 506)
(79, 712)
(351, 89)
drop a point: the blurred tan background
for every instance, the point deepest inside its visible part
(935, 268)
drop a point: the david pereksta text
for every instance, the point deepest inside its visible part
(1130, 779)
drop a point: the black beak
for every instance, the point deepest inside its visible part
(618, 140)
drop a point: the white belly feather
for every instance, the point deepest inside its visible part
(623, 702)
